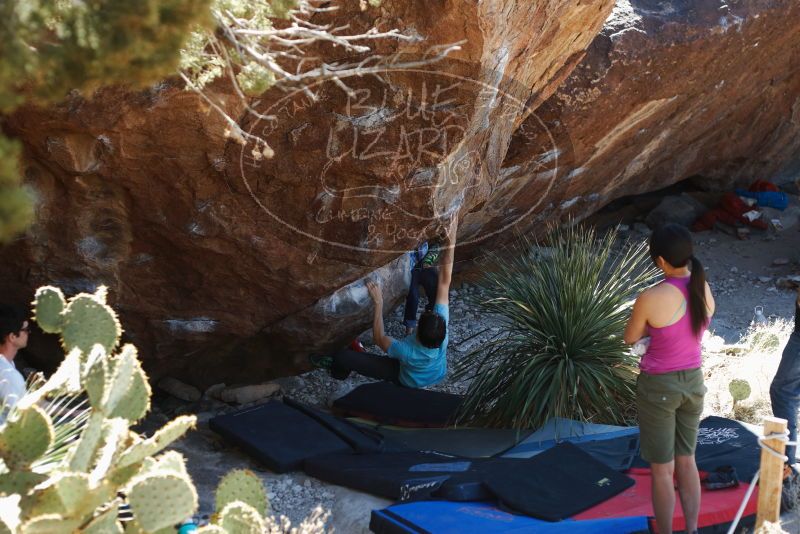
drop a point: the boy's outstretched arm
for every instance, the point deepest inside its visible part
(446, 265)
(378, 334)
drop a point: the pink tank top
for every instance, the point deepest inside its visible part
(674, 347)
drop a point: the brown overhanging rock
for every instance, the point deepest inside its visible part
(227, 267)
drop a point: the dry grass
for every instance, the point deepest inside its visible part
(754, 358)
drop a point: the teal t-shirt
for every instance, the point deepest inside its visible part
(421, 366)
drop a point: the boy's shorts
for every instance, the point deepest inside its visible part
(670, 405)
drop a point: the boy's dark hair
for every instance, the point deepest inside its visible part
(11, 320)
(431, 330)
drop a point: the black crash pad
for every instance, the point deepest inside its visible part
(721, 442)
(390, 404)
(283, 435)
(553, 485)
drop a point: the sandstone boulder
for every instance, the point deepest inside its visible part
(669, 91)
(227, 268)
(179, 390)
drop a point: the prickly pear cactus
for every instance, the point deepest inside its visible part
(26, 437)
(739, 389)
(47, 308)
(82, 321)
(241, 518)
(244, 486)
(89, 320)
(78, 489)
(160, 500)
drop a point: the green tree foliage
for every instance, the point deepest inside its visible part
(564, 306)
(52, 47)
(16, 206)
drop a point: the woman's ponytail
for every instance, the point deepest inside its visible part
(697, 296)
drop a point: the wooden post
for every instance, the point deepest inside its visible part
(770, 481)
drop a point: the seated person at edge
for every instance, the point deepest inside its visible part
(13, 337)
(419, 359)
(784, 391)
(670, 390)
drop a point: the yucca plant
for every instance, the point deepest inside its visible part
(69, 412)
(564, 305)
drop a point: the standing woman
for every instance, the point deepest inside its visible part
(670, 389)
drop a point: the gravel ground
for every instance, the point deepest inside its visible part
(742, 274)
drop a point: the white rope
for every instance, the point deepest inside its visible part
(781, 436)
(742, 506)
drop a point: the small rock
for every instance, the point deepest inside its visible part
(179, 390)
(764, 279)
(789, 282)
(351, 511)
(780, 261)
(245, 394)
(734, 270)
(682, 209)
(641, 228)
(213, 391)
(290, 383)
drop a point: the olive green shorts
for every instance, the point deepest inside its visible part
(670, 406)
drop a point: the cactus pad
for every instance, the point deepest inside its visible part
(47, 307)
(105, 523)
(94, 381)
(159, 441)
(244, 486)
(115, 432)
(211, 529)
(136, 402)
(739, 389)
(88, 321)
(241, 518)
(161, 500)
(82, 456)
(48, 524)
(63, 493)
(19, 482)
(120, 380)
(26, 437)
(171, 461)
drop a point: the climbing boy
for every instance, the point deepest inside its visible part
(419, 359)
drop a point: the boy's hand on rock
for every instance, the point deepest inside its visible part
(375, 292)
